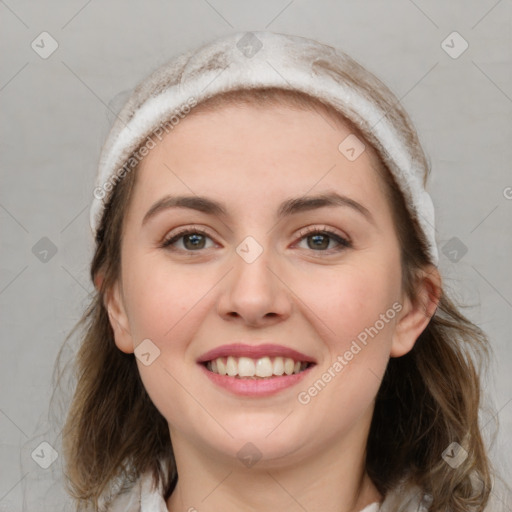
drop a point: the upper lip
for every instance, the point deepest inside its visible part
(254, 352)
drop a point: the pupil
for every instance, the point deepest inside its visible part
(194, 239)
(319, 238)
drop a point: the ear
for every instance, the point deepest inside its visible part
(98, 281)
(416, 313)
(113, 302)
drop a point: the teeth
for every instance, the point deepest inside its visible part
(221, 366)
(289, 364)
(278, 367)
(246, 367)
(262, 367)
(231, 367)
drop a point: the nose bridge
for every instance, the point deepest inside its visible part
(254, 291)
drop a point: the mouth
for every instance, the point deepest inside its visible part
(265, 367)
(255, 370)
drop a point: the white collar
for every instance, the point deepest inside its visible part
(144, 498)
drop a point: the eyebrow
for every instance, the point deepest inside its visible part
(287, 208)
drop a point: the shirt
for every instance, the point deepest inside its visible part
(142, 498)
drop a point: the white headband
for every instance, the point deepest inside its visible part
(256, 60)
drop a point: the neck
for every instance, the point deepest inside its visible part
(332, 479)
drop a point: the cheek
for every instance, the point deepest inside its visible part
(160, 297)
(360, 305)
(355, 310)
(350, 299)
(165, 304)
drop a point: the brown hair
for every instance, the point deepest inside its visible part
(428, 398)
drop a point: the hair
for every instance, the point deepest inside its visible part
(428, 398)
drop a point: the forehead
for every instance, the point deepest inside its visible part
(251, 153)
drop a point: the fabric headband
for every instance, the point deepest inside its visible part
(265, 59)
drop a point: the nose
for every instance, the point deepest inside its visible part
(255, 293)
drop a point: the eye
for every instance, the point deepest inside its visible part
(320, 239)
(193, 240)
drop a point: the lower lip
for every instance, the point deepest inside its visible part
(255, 387)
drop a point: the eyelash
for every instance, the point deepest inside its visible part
(343, 243)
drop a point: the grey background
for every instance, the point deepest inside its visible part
(56, 113)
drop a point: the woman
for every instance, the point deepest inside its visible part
(270, 330)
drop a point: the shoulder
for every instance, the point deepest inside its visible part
(407, 497)
(404, 497)
(127, 500)
(142, 497)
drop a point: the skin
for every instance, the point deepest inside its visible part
(314, 300)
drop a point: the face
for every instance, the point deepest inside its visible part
(263, 280)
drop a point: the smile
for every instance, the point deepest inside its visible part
(255, 370)
(261, 368)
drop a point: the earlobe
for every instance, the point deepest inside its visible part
(416, 314)
(98, 281)
(118, 319)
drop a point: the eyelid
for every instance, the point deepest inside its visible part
(316, 228)
(180, 232)
(343, 241)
